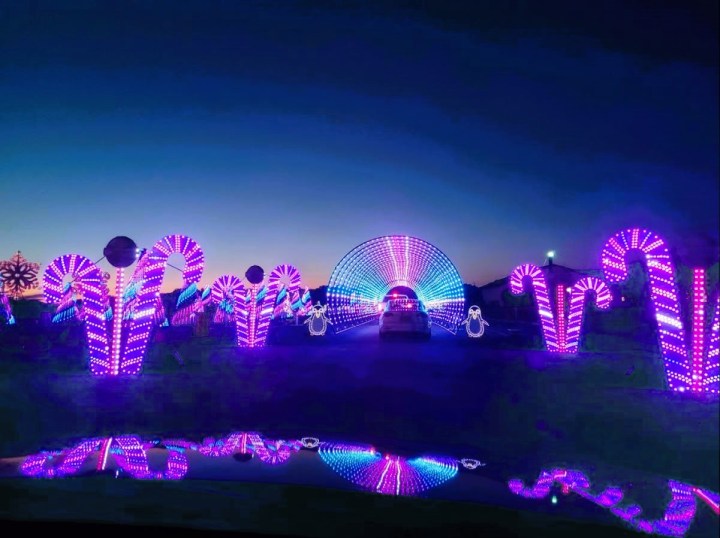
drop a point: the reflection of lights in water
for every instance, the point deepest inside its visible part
(393, 475)
(360, 464)
(679, 513)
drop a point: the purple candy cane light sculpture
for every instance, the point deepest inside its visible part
(560, 335)
(285, 277)
(578, 293)
(227, 292)
(149, 292)
(539, 287)
(695, 369)
(251, 308)
(122, 351)
(94, 288)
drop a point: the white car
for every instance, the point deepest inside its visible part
(405, 316)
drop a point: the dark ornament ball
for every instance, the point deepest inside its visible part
(121, 251)
(255, 274)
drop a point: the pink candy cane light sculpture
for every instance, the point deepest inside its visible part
(149, 293)
(252, 307)
(561, 335)
(694, 368)
(94, 287)
(121, 351)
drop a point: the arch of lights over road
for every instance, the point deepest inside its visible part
(368, 272)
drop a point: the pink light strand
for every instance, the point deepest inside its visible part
(561, 329)
(578, 295)
(712, 364)
(89, 277)
(698, 329)
(663, 292)
(676, 520)
(149, 292)
(539, 287)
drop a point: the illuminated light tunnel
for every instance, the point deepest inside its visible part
(368, 272)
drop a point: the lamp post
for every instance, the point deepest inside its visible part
(550, 256)
(121, 252)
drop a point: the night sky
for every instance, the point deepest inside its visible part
(290, 132)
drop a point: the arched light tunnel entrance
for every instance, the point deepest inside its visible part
(364, 277)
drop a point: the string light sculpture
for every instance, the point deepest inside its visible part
(131, 456)
(131, 298)
(251, 309)
(128, 451)
(471, 464)
(303, 309)
(317, 321)
(676, 521)
(149, 293)
(389, 475)
(190, 303)
(94, 289)
(40, 465)
(253, 318)
(272, 452)
(285, 278)
(363, 466)
(75, 458)
(694, 368)
(368, 272)
(283, 307)
(68, 307)
(310, 442)
(6, 315)
(710, 498)
(226, 291)
(122, 351)
(538, 285)
(474, 323)
(586, 286)
(17, 275)
(236, 442)
(561, 333)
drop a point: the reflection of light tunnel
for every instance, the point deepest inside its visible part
(366, 273)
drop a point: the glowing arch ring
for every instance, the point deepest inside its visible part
(366, 273)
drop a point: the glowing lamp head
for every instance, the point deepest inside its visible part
(551, 254)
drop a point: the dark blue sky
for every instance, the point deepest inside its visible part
(290, 132)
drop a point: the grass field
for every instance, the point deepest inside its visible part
(519, 410)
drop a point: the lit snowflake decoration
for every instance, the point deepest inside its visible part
(18, 275)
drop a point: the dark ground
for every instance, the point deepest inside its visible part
(518, 410)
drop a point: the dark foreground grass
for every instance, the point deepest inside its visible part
(519, 410)
(271, 509)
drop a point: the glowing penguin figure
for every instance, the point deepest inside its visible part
(475, 324)
(317, 321)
